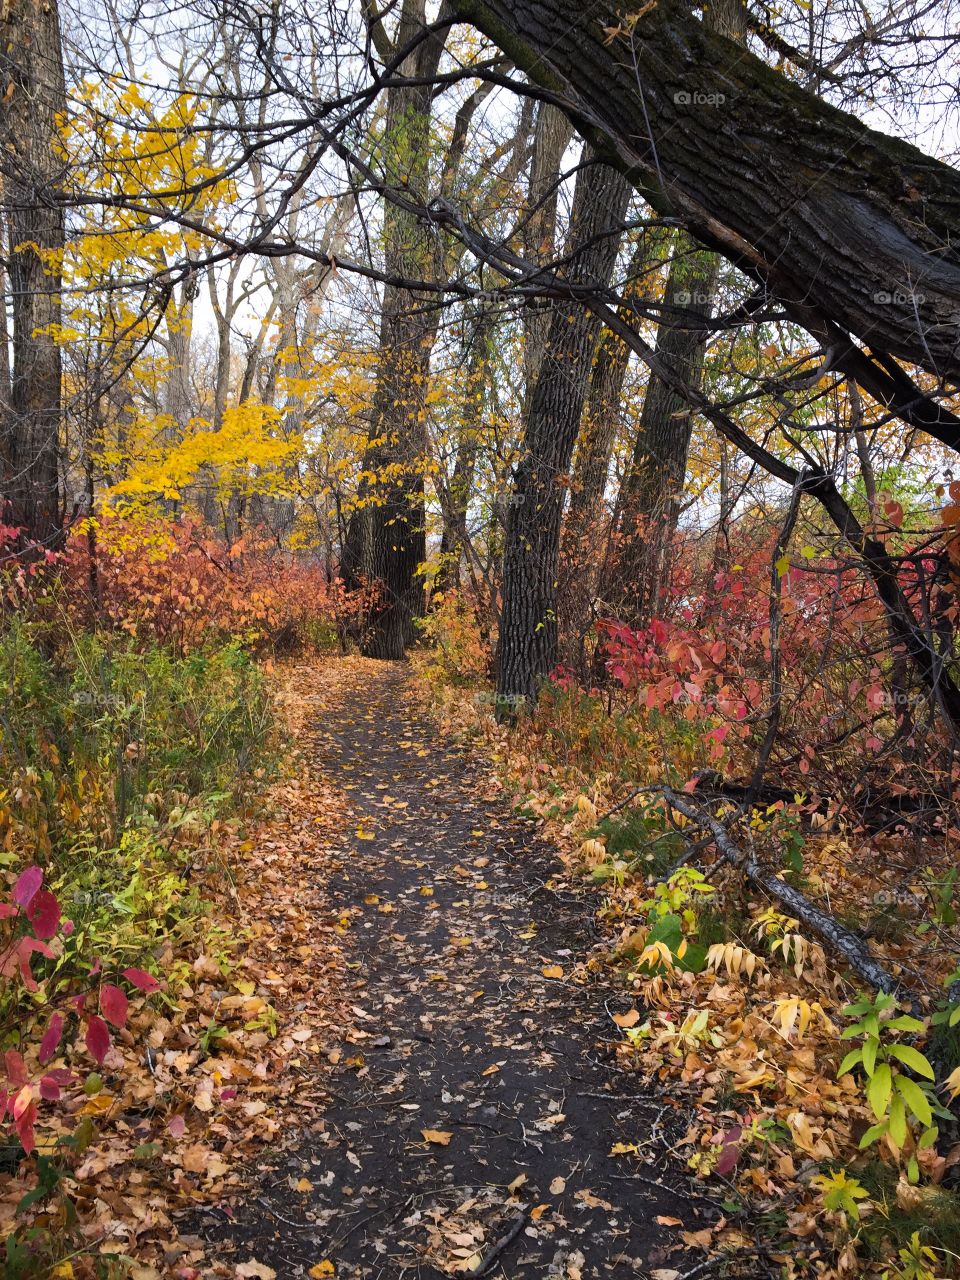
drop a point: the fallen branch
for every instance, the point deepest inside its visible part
(485, 1266)
(852, 948)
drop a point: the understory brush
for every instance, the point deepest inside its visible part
(133, 748)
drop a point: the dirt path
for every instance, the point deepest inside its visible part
(457, 1031)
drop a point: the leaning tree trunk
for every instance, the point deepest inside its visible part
(528, 628)
(648, 506)
(853, 231)
(31, 97)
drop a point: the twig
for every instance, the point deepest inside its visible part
(485, 1266)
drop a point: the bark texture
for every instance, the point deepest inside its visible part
(528, 628)
(31, 96)
(386, 542)
(648, 506)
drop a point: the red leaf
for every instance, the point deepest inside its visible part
(27, 885)
(43, 912)
(51, 1038)
(25, 949)
(24, 1115)
(16, 1069)
(49, 1089)
(113, 1004)
(177, 1126)
(142, 980)
(97, 1039)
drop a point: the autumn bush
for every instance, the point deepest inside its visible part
(171, 582)
(135, 731)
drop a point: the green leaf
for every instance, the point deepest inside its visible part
(928, 1137)
(873, 1133)
(783, 566)
(904, 1022)
(898, 1120)
(915, 1098)
(878, 1090)
(870, 1055)
(854, 1057)
(912, 1058)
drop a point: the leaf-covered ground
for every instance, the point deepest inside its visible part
(473, 1119)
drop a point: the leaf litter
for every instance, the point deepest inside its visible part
(468, 1116)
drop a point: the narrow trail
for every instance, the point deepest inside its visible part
(458, 1031)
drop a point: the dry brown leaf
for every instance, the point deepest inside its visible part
(439, 1137)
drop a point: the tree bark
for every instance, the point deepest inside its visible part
(648, 506)
(551, 139)
(31, 97)
(456, 500)
(853, 231)
(386, 543)
(528, 629)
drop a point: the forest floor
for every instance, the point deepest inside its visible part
(471, 1112)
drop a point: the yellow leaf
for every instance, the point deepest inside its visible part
(320, 1269)
(553, 971)
(623, 1149)
(304, 1184)
(440, 1137)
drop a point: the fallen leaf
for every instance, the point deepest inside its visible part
(628, 1019)
(255, 1271)
(552, 971)
(320, 1269)
(440, 1137)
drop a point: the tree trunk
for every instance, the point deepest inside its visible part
(386, 542)
(648, 506)
(586, 529)
(854, 231)
(456, 500)
(31, 97)
(551, 139)
(528, 629)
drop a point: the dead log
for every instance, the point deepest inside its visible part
(841, 940)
